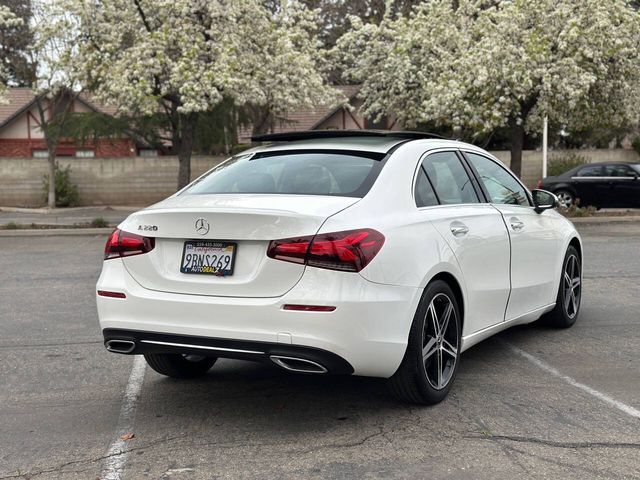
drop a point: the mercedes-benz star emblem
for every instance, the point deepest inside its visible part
(202, 226)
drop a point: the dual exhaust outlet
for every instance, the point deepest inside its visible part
(292, 364)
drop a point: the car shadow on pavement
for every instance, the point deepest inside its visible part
(258, 399)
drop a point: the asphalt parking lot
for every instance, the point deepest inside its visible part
(529, 403)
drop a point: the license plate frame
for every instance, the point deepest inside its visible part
(208, 269)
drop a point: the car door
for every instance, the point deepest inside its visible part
(590, 185)
(624, 186)
(474, 231)
(535, 243)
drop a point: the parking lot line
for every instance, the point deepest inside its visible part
(117, 454)
(623, 407)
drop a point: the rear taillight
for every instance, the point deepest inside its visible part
(125, 244)
(349, 251)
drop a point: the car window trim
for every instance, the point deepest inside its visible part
(485, 192)
(419, 165)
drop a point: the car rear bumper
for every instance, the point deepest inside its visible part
(289, 357)
(367, 331)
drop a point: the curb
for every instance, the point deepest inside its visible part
(601, 220)
(55, 232)
(46, 210)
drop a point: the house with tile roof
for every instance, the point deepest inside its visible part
(22, 137)
(336, 117)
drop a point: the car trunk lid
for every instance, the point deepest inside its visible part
(250, 221)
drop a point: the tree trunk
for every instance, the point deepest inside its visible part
(262, 120)
(185, 148)
(52, 151)
(517, 144)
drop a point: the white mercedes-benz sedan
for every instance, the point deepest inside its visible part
(383, 254)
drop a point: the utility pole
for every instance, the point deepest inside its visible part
(545, 128)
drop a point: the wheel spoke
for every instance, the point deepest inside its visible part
(574, 302)
(445, 318)
(567, 299)
(434, 318)
(429, 349)
(569, 269)
(449, 349)
(567, 279)
(440, 366)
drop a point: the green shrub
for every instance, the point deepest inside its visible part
(66, 192)
(577, 211)
(12, 226)
(561, 163)
(99, 222)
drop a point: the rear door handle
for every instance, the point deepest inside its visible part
(516, 224)
(458, 229)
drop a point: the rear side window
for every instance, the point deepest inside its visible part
(425, 196)
(449, 179)
(335, 173)
(591, 171)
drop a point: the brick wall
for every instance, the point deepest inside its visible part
(145, 180)
(105, 148)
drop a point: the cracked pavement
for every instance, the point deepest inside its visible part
(61, 392)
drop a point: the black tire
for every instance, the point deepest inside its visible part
(566, 198)
(567, 308)
(414, 380)
(179, 366)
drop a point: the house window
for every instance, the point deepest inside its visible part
(85, 153)
(148, 152)
(40, 153)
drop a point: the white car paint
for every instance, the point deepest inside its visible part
(506, 276)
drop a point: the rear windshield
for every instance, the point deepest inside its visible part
(324, 172)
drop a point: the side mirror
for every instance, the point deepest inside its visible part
(543, 200)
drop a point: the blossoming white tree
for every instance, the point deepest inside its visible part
(7, 20)
(181, 57)
(484, 65)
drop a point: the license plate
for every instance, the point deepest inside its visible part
(208, 257)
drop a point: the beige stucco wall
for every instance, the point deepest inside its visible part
(142, 181)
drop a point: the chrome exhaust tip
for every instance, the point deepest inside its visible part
(120, 346)
(301, 365)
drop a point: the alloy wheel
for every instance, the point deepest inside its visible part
(565, 199)
(440, 347)
(572, 286)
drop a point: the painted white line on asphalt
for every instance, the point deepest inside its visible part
(623, 407)
(113, 466)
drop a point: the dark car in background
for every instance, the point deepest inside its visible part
(602, 185)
